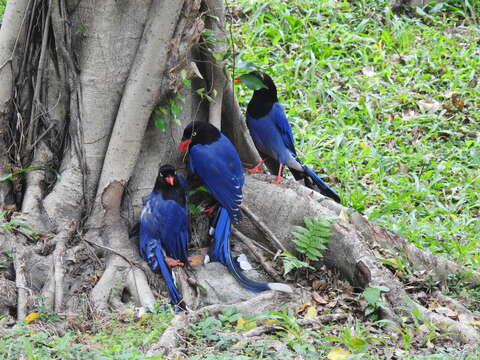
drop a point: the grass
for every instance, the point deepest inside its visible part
(384, 106)
(222, 337)
(3, 3)
(120, 337)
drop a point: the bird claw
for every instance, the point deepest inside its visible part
(256, 170)
(210, 209)
(172, 262)
(278, 180)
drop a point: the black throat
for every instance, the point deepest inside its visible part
(169, 192)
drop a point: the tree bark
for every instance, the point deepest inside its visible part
(79, 84)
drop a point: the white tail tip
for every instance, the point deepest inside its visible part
(280, 287)
(206, 259)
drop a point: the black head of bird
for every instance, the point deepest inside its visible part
(198, 132)
(166, 176)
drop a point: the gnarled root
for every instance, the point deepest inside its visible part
(265, 301)
(121, 268)
(353, 249)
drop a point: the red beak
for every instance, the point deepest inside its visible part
(170, 180)
(237, 80)
(184, 145)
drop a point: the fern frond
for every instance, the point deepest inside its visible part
(311, 240)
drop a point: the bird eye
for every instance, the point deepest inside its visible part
(194, 133)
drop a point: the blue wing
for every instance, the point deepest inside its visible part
(279, 118)
(163, 229)
(272, 135)
(220, 168)
(167, 222)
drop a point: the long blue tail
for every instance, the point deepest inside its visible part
(221, 253)
(175, 296)
(324, 188)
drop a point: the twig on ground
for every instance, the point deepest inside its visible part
(253, 247)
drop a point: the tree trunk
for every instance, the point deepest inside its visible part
(80, 82)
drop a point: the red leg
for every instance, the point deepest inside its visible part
(279, 178)
(171, 262)
(257, 169)
(210, 209)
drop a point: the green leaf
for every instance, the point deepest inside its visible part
(11, 176)
(291, 262)
(160, 123)
(372, 295)
(252, 82)
(358, 345)
(311, 240)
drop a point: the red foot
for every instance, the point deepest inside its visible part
(171, 262)
(256, 170)
(210, 209)
(278, 180)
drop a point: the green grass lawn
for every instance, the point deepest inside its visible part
(387, 107)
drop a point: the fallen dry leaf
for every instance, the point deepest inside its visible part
(368, 71)
(33, 316)
(447, 312)
(343, 215)
(316, 284)
(429, 105)
(331, 304)
(433, 304)
(311, 312)
(240, 321)
(196, 260)
(319, 298)
(338, 354)
(303, 307)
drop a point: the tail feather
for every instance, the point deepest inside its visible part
(221, 252)
(175, 296)
(323, 187)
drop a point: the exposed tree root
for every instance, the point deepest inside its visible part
(23, 291)
(106, 80)
(255, 306)
(119, 272)
(8, 296)
(438, 267)
(313, 323)
(348, 251)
